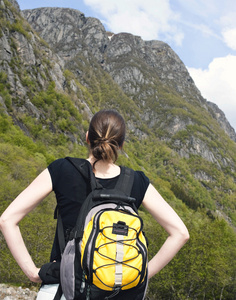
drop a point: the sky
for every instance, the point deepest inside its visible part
(201, 32)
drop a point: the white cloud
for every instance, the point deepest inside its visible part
(149, 19)
(217, 84)
(229, 36)
(228, 29)
(228, 20)
(204, 29)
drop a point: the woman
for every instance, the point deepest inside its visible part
(105, 137)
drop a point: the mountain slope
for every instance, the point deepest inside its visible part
(52, 81)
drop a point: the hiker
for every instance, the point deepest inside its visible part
(105, 138)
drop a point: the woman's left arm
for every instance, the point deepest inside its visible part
(16, 211)
(171, 222)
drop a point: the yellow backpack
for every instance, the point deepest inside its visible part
(106, 256)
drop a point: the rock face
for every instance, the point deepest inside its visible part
(156, 56)
(68, 31)
(222, 120)
(138, 67)
(26, 60)
(15, 4)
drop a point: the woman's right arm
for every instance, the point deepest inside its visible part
(15, 212)
(171, 222)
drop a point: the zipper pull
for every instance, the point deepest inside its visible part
(82, 287)
(88, 293)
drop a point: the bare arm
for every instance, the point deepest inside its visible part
(15, 212)
(170, 221)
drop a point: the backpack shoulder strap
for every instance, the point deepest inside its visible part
(125, 181)
(59, 230)
(85, 168)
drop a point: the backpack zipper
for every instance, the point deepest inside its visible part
(82, 287)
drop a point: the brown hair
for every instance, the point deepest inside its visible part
(106, 135)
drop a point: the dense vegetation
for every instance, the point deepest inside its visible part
(204, 268)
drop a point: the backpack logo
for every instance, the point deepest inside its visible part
(107, 251)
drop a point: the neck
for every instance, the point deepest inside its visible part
(104, 169)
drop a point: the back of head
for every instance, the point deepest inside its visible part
(106, 135)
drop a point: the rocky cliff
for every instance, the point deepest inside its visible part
(28, 66)
(22, 50)
(134, 64)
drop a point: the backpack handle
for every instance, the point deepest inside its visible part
(114, 197)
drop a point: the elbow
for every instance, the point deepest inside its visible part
(4, 223)
(181, 236)
(184, 235)
(1, 223)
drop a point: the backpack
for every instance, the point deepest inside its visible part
(106, 255)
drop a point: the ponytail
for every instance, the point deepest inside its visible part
(106, 135)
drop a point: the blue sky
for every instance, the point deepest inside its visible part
(201, 32)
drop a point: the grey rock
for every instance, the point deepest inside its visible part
(15, 4)
(5, 49)
(8, 292)
(68, 31)
(203, 176)
(134, 64)
(219, 116)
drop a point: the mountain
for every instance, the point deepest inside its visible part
(155, 81)
(58, 67)
(70, 33)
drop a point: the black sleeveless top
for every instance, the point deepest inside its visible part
(71, 189)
